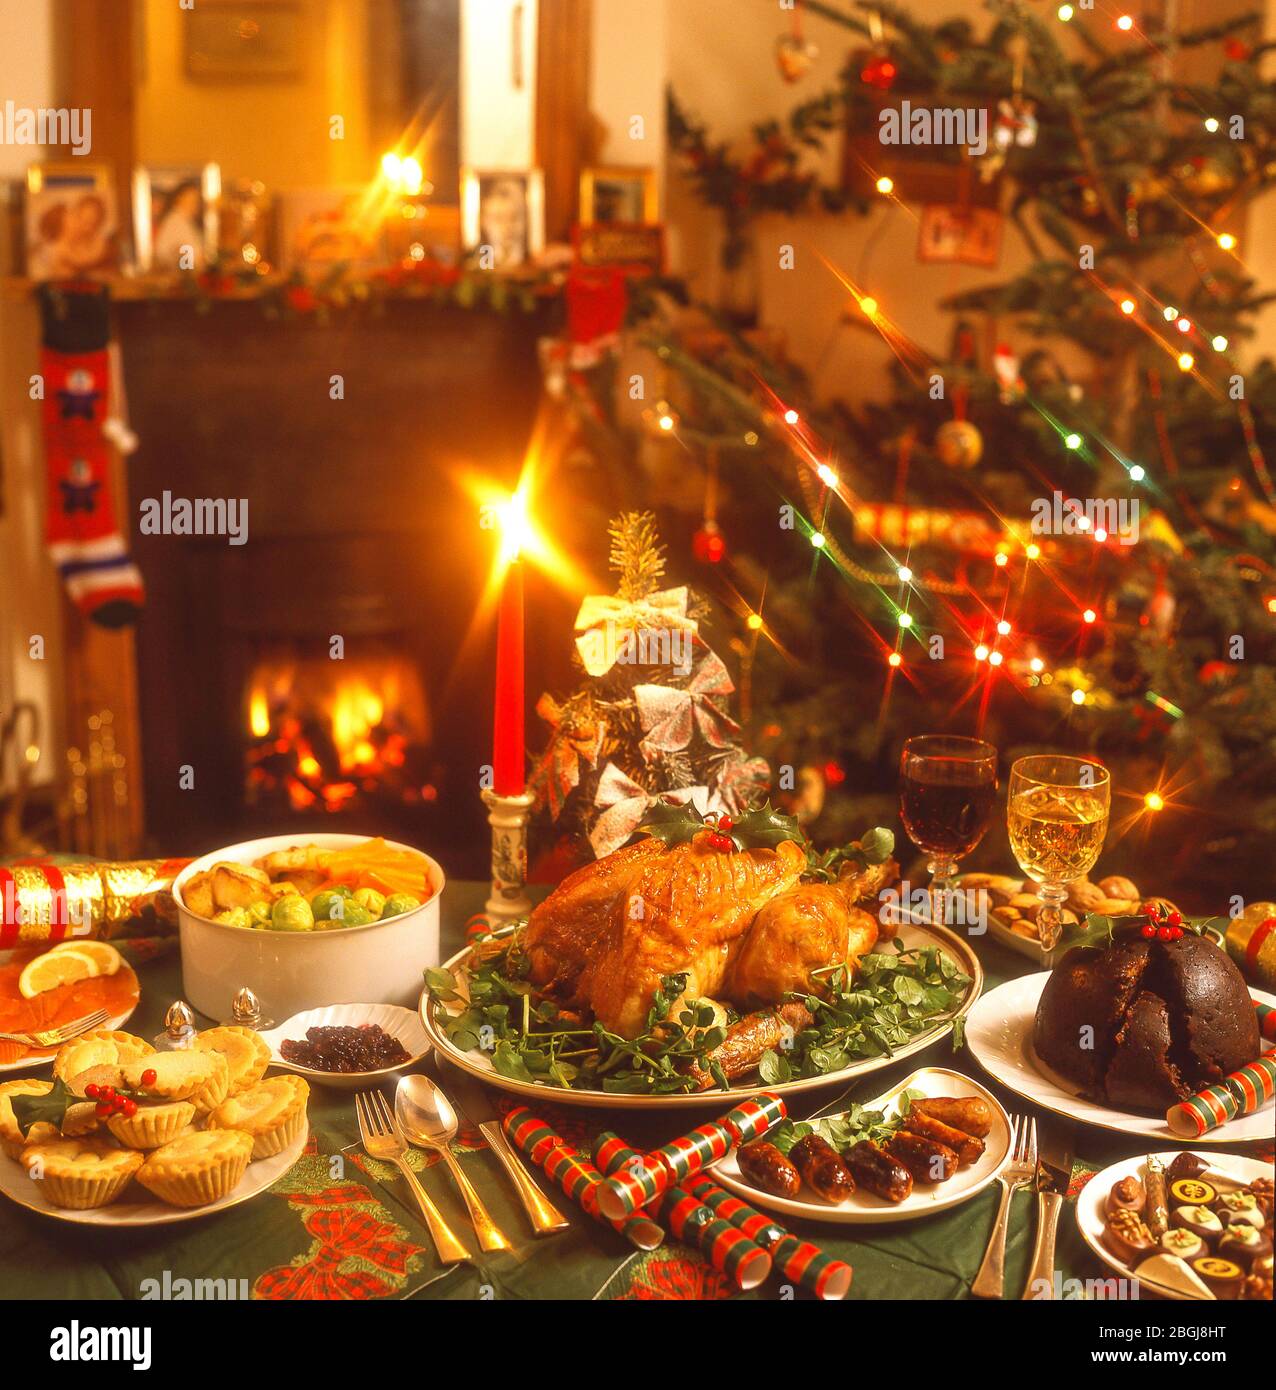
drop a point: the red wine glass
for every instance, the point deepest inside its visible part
(947, 789)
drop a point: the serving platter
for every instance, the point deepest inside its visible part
(479, 1064)
(259, 1175)
(402, 1024)
(33, 1060)
(1090, 1204)
(866, 1209)
(999, 1034)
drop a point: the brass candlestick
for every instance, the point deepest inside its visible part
(508, 817)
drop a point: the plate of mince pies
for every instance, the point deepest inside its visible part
(1188, 1226)
(124, 1135)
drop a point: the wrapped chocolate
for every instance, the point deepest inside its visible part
(48, 902)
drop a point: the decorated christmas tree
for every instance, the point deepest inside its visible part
(1061, 526)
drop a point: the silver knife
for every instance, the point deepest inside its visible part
(476, 1104)
(1054, 1172)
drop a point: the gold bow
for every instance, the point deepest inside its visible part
(607, 624)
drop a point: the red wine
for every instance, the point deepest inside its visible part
(946, 803)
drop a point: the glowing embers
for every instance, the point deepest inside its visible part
(326, 735)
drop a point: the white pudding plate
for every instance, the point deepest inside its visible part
(911, 935)
(401, 1024)
(999, 1033)
(866, 1209)
(133, 1210)
(1090, 1221)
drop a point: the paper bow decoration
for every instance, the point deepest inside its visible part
(670, 714)
(740, 781)
(610, 626)
(625, 804)
(571, 740)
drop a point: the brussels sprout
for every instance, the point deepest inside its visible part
(398, 903)
(330, 903)
(259, 916)
(233, 917)
(371, 899)
(291, 914)
(353, 914)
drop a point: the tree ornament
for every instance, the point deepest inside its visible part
(959, 444)
(709, 545)
(879, 71)
(1005, 367)
(794, 54)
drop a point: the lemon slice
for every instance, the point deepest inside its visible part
(108, 958)
(56, 968)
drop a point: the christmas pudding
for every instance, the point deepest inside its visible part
(1142, 1023)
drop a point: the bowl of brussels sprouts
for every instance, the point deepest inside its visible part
(308, 921)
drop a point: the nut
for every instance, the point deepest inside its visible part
(1085, 896)
(1114, 886)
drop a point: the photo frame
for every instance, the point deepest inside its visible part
(949, 235)
(324, 227)
(503, 209)
(613, 194)
(636, 247)
(175, 216)
(71, 222)
(235, 41)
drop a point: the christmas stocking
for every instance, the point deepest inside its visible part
(80, 526)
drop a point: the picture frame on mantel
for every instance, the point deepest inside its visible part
(503, 209)
(244, 41)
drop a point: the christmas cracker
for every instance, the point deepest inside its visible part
(574, 1175)
(730, 1251)
(646, 1176)
(1241, 1093)
(42, 903)
(796, 1260)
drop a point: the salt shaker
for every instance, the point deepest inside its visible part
(179, 1028)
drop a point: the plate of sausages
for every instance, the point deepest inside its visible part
(929, 1143)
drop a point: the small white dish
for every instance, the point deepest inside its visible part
(1094, 1194)
(143, 1209)
(999, 1034)
(866, 1209)
(402, 1024)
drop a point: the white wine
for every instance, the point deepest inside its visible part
(1056, 833)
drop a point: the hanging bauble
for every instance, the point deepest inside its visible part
(959, 444)
(794, 56)
(1005, 367)
(880, 71)
(1236, 51)
(709, 545)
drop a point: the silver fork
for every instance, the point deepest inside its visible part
(383, 1139)
(1021, 1170)
(55, 1037)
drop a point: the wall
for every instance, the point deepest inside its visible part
(629, 59)
(276, 131)
(498, 116)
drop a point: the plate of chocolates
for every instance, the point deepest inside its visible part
(1187, 1226)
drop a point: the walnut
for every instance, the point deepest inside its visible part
(1085, 896)
(1114, 886)
(1130, 1225)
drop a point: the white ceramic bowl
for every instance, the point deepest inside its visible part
(290, 972)
(403, 1024)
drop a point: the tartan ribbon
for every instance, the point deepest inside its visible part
(604, 620)
(670, 715)
(625, 804)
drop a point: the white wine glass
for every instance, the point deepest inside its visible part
(1057, 815)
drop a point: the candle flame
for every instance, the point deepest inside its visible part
(516, 527)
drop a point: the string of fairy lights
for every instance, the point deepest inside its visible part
(995, 644)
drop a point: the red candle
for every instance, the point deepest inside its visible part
(508, 756)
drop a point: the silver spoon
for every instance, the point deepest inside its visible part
(426, 1116)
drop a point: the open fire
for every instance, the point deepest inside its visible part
(326, 735)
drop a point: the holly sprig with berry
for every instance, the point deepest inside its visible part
(1156, 921)
(51, 1107)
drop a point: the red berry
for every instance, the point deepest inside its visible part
(149, 1077)
(1149, 931)
(1151, 909)
(725, 823)
(92, 1091)
(129, 1108)
(1175, 919)
(1178, 933)
(1165, 933)
(102, 1109)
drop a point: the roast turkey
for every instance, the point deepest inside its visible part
(739, 924)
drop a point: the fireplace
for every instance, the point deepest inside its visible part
(326, 673)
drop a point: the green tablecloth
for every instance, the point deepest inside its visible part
(339, 1226)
